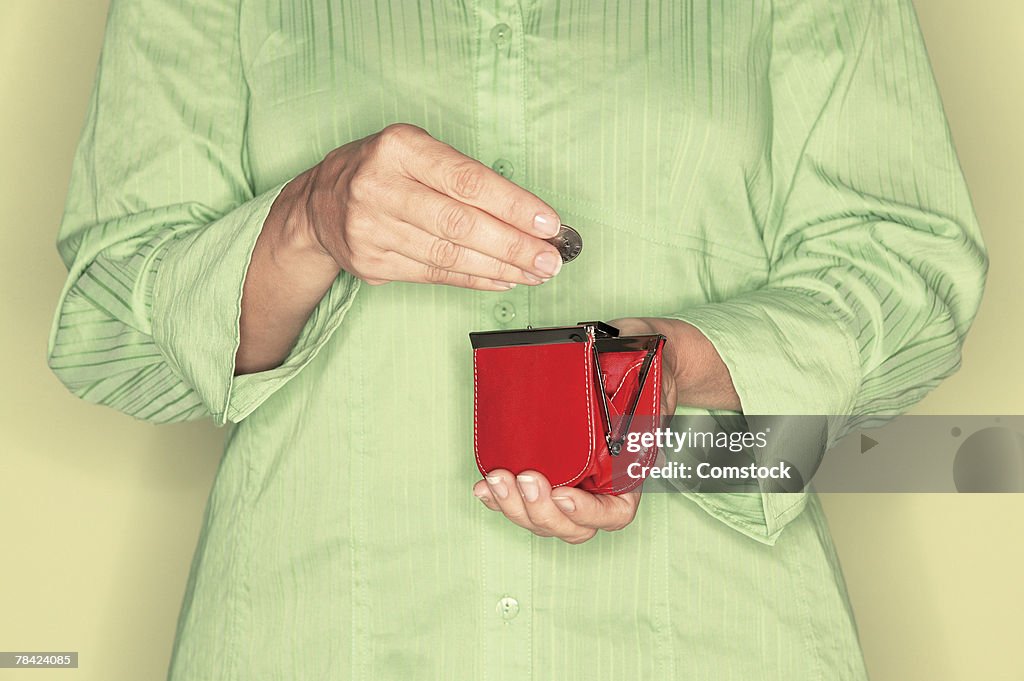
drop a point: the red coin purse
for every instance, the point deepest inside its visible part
(570, 402)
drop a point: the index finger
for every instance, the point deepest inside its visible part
(445, 169)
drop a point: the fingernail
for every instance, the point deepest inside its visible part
(548, 263)
(508, 284)
(497, 486)
(528, 486)
(546, 225)
(482, 498)
(535, 280)
(564, 503)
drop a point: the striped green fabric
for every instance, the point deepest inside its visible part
(779, 174)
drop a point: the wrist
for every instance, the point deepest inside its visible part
(292, 240)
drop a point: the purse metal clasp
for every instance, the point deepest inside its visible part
(615, 437)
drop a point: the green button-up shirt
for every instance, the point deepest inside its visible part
(778, 174)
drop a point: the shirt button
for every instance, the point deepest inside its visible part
(508, 608)
(501, 34)
(504, 168)
(504, 312)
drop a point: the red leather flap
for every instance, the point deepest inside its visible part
(534, 409)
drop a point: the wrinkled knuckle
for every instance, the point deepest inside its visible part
(455, 223)
(443, 254)
(514, 205)
(467, 181)
(436, 275)
(399, 134)
(515, 249)
(506, 272)
(392, 144)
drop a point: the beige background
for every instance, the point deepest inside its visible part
(99, 513)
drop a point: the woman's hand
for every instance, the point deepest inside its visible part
(572, 515)
(692, 374)
(395, 206)
(401, 206)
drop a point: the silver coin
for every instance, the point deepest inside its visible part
(568, 242)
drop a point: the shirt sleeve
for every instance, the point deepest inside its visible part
(876, 261)
(160, 224)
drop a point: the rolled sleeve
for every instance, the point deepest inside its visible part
(160, 223)
(197, 285)
(876, 260)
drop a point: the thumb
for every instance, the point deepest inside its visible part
(597, 511)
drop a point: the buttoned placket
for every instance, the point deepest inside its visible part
(506, 565)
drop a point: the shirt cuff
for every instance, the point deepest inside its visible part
(196, 284)
(787, 353)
